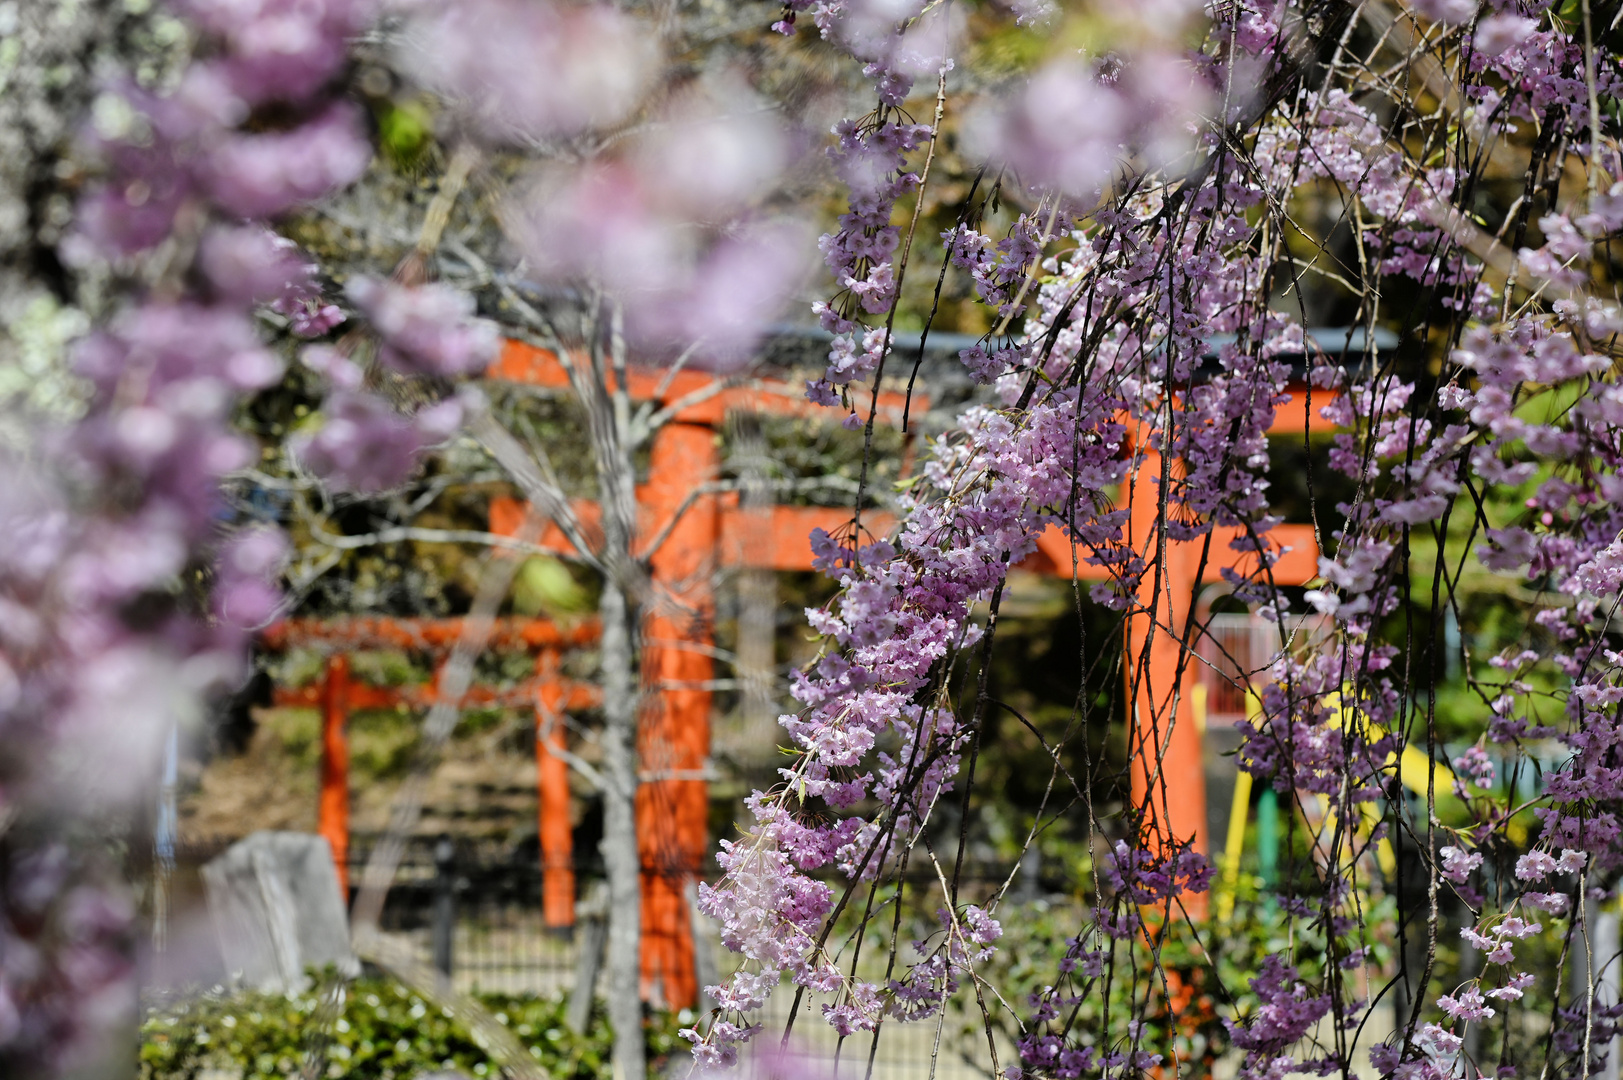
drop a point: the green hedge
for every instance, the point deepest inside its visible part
(387, 1032)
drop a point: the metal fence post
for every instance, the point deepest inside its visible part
(591, 939)
(444, 905)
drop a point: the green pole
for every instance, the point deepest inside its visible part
(1268, 836)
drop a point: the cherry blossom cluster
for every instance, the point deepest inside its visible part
(1287, 1009)
(1154, 332)
(871, 159)
(869, 728)
(127, 599)
(998, 269)
(872, 726)
(1416, 462)
(1146, 877)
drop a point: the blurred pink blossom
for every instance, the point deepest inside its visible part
(123, 219)
(364, 445)
(247, 264)
(738, 288)
(530, 69)
(1070, 127)
(266, 174)
(281, 49)
(713, 153)
(1499, 33)
(426, 329)
(668, 227)
(1452, 12)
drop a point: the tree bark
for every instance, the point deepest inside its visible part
(619, 845)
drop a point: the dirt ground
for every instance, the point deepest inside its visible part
(483, 786)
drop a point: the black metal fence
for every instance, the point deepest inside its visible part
(473, 911)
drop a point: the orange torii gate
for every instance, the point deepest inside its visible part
(336, 694)
(712, 533)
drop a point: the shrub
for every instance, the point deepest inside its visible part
(386, 1032)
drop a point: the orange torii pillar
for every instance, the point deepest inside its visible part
(674, 736)
(1163, 744)
(552, 785)
(332, 811)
